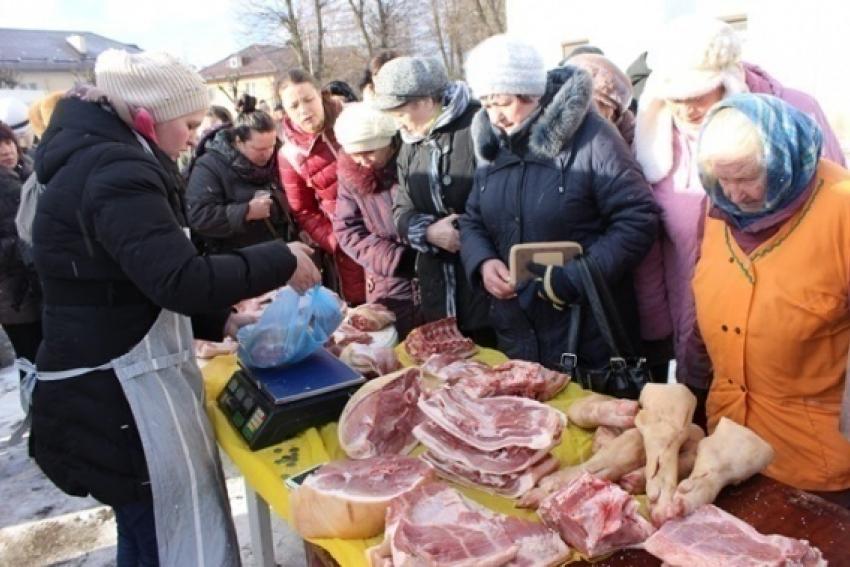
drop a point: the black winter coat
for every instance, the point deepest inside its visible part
(111, 248)
(414, 200)
(20, 294)
(221, 184)
(567, 176)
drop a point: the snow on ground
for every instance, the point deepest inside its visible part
(41, 526)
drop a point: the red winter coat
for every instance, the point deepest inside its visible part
(308, 173)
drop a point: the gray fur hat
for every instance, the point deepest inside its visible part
(406, 78)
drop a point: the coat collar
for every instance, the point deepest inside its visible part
(569, 93)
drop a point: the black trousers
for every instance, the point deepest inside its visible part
(25, 338)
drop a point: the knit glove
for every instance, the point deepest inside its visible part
(553, 285)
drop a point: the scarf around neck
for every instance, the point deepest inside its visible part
(455, 100)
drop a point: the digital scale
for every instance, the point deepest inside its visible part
(267, 406)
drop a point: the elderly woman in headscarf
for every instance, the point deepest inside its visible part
(771, 287)
(697, 64)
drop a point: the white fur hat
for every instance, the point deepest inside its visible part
(158, 82)
(503, 64)
(15, 114)
(360, 128)
(695, 55)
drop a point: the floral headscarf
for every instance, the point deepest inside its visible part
(792, 144)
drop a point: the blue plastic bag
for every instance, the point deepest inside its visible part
(290, 329)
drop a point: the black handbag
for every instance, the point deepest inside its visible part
(626, 374)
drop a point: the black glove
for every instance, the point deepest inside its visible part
(553, 285)
(407, 266)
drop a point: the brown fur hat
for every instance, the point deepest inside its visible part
(41, 110)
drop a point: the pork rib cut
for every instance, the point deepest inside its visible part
(516, 378)
(380, 417)
(442, 337)
(491, 424)
(710, 537)
(348, 499)
(595, 516)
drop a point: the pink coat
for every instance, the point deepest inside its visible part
(663, 279)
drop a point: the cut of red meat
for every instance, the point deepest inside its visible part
(511, 485)
(370, 317)
(438, 337)
(370, 361)
(450, 367)
(348, 499)
(491, 424)
(508, 460)
(711, 536)
(380, 417)
(436, 525)
(345, 335)
(595, 516)
(516, 378)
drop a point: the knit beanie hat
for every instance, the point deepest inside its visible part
(158, 82)
(15, 115)
(405, 78)
(610, 84)
(360, 128)
(695, 55)
(503, 64)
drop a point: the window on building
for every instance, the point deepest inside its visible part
(212, 91)
(251, 88)
(568, 47)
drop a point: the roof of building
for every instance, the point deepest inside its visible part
(254, 60)
(54, 50)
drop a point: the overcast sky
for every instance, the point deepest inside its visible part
(198, 31)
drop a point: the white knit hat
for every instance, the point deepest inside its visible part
(503, 64)
(158, 82)
(361, 128)
(695, 55)
(15, 115)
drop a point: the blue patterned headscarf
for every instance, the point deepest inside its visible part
(792, 145)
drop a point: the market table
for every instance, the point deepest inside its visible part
(766, 504)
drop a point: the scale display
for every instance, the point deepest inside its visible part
(267, 406)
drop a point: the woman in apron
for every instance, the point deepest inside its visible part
(118, 407)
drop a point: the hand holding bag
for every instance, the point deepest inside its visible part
(626, 374)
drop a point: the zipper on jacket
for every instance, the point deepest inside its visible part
(519, 196)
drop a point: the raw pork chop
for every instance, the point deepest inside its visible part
(511, 485)
(595, 516)
(436, 525)
(516, 378)
(370, 317)
(380, 417)
(344, 335)
(450, 368)
(370, 361)
(711, 537)
(502, 461)
(495, 423)
(438, 337)
(348, 499)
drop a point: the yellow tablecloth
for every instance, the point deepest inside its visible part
(265, 470)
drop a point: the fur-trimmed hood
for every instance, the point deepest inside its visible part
(569, 94)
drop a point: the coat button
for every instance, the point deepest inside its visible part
(730, 380)
(731, 260)
(447, 180)
(743, 389)
(737, 330)
(725, 328)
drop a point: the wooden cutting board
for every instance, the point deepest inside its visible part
(771, 508)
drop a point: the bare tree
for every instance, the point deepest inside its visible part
(492, 15)
(358, 8)
(10, 77)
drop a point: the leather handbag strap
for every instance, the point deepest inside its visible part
(603, 307)
(569, 359)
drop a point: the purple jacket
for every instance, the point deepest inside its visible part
(363, 225)
(663, 279)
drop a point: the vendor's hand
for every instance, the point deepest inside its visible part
(496, 278)
(259, 208)
(443, 234)
(236, 321)
(553, 285)
(306, 274)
